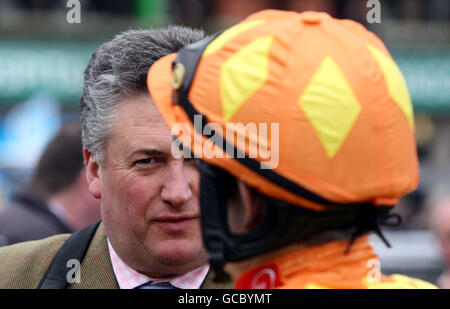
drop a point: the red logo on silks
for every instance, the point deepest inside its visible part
(264, 277)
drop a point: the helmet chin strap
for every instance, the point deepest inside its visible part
(283, 223)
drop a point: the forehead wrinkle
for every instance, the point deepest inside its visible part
(150, 122)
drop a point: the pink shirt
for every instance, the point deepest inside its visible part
(128, 278)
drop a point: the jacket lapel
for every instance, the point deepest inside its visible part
(96, 269)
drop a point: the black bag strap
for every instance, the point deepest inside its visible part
(74, 247)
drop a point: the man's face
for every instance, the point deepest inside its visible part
(149, 199)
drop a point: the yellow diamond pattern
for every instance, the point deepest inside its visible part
(228, 35)
(395, 82)
(243, 74)
(330, 105)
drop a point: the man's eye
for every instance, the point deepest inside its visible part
(145, 161)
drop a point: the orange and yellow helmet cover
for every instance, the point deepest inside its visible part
(345, 127)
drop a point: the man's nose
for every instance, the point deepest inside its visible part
(176, 189)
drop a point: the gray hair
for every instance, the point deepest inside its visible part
(118, 69)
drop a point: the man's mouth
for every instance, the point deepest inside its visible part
(175, 223)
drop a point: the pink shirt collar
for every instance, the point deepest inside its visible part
(128, 278)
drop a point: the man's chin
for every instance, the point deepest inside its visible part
(180, 253)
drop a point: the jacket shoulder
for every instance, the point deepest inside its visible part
(22, 265)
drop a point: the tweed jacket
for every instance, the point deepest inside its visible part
(23, 265)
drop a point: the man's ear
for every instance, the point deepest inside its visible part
(254, 205)
(92, 174)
